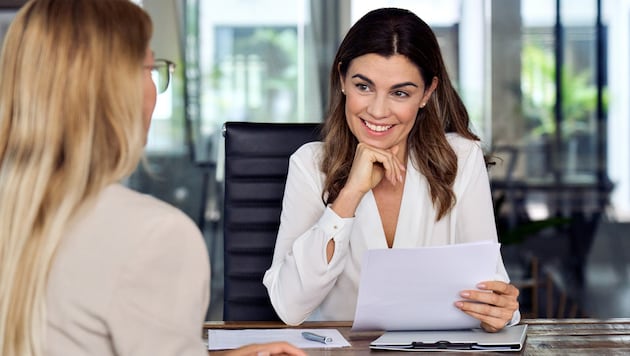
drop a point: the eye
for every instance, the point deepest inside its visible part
(400, 94)
(362, 87)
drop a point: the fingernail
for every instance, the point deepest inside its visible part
(481, 286)
(400, 178)
(465, 294)
(459, 304)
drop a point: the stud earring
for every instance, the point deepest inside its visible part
(422, 105)
(343, 91)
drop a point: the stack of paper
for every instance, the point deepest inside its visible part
(221, 339)
(411, 293)
(416, 288)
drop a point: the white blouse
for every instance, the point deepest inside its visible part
(303, 286)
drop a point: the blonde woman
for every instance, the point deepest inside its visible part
(87, 266)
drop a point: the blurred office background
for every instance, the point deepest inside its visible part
(546, 83)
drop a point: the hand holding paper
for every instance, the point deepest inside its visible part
(416, 289)
(494, 309)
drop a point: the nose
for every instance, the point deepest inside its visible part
(378, 107)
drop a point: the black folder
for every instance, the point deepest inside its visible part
(508, 339)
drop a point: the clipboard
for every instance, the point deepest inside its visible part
(510, 338)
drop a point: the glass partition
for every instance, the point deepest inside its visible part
(559, 137)
(253, 65)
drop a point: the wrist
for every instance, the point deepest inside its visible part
(346, 203)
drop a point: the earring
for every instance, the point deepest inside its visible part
(422, 105)
(343, 91)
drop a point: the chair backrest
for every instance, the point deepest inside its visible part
(256, 164)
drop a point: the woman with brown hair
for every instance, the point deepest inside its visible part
(398, 167)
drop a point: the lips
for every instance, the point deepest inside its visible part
(377, 128)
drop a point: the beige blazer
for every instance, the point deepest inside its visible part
(131, 277)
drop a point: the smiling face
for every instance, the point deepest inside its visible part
(383, 96)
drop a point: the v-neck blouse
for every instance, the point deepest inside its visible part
(303, 286)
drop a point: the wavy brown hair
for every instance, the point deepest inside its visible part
(70, 124)
(388, 32)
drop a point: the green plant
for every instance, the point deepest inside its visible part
(579, 94)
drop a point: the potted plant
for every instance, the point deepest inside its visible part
(579, 100)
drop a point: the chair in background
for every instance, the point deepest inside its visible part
(256, 164)
(562, 300)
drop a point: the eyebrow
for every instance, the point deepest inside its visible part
(395, 86)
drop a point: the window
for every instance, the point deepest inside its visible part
(252, 65)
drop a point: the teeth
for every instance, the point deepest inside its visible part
(377, 128)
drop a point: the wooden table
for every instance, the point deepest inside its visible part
(544, 337)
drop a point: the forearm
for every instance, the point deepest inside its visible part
(347, 202)
(301, 276)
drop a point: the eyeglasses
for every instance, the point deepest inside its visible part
(161, 71)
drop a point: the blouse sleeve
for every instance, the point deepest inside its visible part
(161, 298)
(300, 277)
(475, 209)
(475, 213)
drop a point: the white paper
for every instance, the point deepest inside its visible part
(224, 339)
(416, 289)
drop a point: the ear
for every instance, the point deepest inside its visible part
(341, 77)
(428, 92)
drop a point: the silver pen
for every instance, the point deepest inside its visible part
(315, 337)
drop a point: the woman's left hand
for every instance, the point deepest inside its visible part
(494, 304)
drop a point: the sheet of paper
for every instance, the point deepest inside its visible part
(222, 339)
(415, 289)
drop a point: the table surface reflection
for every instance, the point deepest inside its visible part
(544, 337)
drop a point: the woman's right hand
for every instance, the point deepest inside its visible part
(371, 165)
(268, 349)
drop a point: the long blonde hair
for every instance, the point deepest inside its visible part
(71, 123)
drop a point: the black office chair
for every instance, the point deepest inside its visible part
(256, 164)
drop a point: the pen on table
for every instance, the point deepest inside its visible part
(315, 337)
